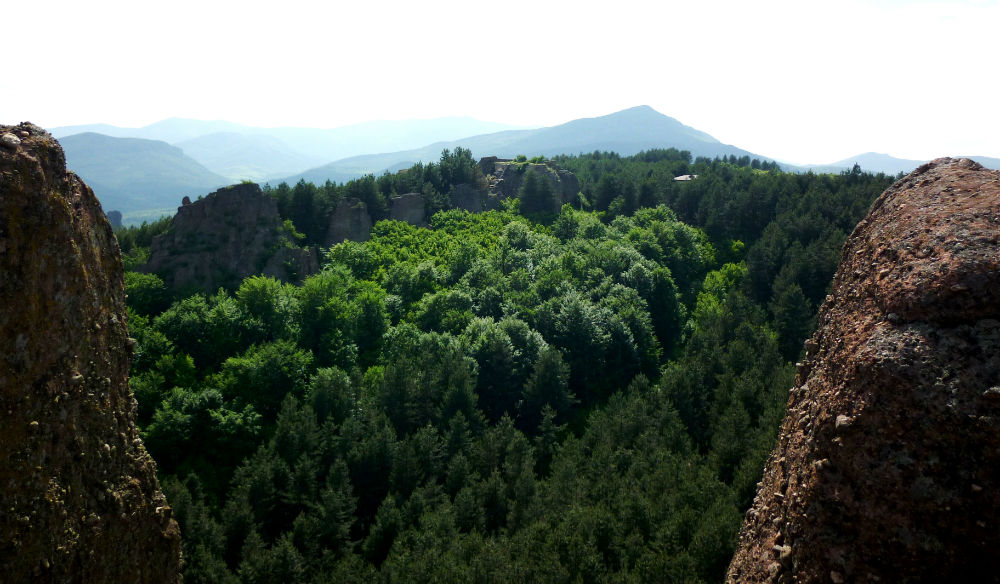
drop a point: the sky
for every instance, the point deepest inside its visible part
(803, 81)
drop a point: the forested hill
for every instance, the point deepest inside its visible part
(132, 174)
(628, 132)
(515, 395)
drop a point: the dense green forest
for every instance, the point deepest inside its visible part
(586, 396)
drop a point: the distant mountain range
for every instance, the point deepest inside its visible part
(248, 152)
(626, 132)
(256, 157)
(131, 174)
(153, 167)
(876, 162)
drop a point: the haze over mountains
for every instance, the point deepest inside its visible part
(626, 132)
(878, 162)
(307, 147)
(132, 174)
(141, 171)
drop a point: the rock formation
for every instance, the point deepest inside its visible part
(467, 197)
(224, 237)
(408, 208)
(79, 499)
(488, 164)
(887, 467)
(349, 222)
(505, 178)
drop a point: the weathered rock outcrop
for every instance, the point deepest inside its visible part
(349, 222)
(888, 462)
(79, 499)
(467, 197)
(224, 237)
(488, 164)
(505, 178)
(408, 208)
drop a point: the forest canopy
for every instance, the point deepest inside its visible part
(504, 396)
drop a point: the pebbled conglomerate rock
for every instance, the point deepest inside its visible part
(79, 499)
(887, 467)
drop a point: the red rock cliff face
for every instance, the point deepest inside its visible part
(888, 462)
(79, 499)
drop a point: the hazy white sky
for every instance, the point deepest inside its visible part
(804, 81)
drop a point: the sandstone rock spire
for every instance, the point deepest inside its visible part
(79, 499)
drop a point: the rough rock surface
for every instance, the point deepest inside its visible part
(887, 467)
(488, 164)
(224, 237)
(507, 177)
(350, 222)
(79, 499)
(408, 208)
(467, 197)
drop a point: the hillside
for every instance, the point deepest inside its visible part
(541, 396)
(131, 174)
(123, 176)
(169, 130)
(273, 155)
(317, 144)
(246, 156)
(626, 132)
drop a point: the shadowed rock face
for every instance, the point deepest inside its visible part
(224, 237)
(408, 208)
(888, 462)
(349, 222)
(467, 197)
(79, 499)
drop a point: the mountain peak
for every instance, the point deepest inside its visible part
(639, 111)
(643, 108)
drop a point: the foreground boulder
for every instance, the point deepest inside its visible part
(887, 467)
(79, 499)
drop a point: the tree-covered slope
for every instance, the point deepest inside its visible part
(586, 398)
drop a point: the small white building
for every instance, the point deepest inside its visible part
(686, 177)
